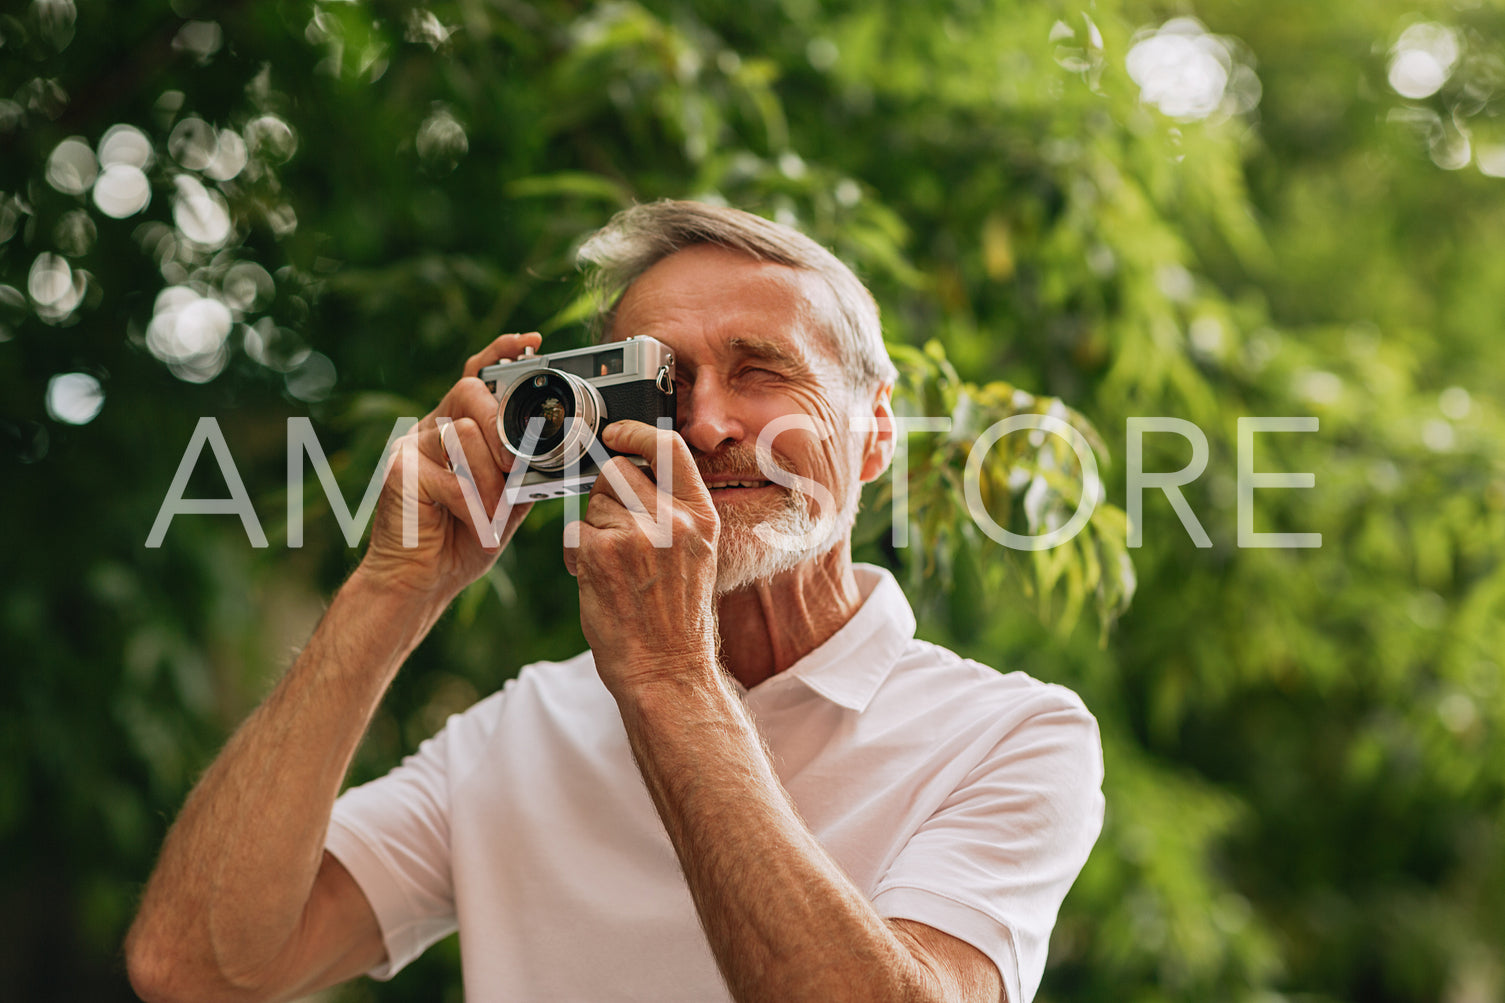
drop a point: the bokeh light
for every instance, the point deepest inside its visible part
(229, 157)
(71, 168)
(271, 139)
(282, 219)
(125, 144)
(122, 190)
(201, 215)
(188, 331)
(74, 398)
(12, 115)
(441, 139)
(1491, 160)
(1437, 435)
(422, 26)
(313, 379)
(55, 21)
(247, 286)
(11, 211)
(56, 289)
(1423, 59)
(1455, 403)
(277, 348)
(74, 233)
(1189, 73)
(44, 96)
(193, 143)
(199, 39)
(1451, 149)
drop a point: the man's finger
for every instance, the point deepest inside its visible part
(641, 493)
(463, 448)
(508, 346)
(458, 474)
(415, 474)
(469, 399)
(657, 445)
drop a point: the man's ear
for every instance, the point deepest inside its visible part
(878, 446)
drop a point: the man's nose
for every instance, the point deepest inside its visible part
(708, 417)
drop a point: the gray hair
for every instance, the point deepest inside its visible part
(636, 239)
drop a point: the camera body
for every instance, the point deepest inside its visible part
(551, 408)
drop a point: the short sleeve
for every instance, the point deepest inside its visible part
(992, 865)
(393, 836)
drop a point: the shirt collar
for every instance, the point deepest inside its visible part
(853, 662)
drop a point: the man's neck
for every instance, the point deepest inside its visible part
(768, 626)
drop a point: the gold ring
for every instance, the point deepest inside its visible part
(444, 445)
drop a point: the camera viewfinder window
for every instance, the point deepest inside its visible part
(590, 367)
(575, 365)
(608, 363)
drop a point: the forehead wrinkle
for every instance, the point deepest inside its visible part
(648, 309)
(805, 312)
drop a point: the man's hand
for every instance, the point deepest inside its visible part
(646, 561)
(450, 497)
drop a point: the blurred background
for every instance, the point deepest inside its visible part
(313, 209)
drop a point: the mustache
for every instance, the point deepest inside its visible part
(742, 461)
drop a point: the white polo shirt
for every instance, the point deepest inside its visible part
(949, 793)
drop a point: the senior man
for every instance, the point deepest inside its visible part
(755, 785)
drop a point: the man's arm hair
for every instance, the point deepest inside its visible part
(783, 920)
(244, 903)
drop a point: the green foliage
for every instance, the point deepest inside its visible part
(1029, 483)
(1304, 747)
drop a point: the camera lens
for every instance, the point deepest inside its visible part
(541, 399)
(549, 418)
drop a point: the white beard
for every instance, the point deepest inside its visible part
(757, 545)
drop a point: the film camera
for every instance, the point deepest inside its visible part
(551, 408)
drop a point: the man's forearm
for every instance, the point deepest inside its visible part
(237, 867)
(783, 920)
